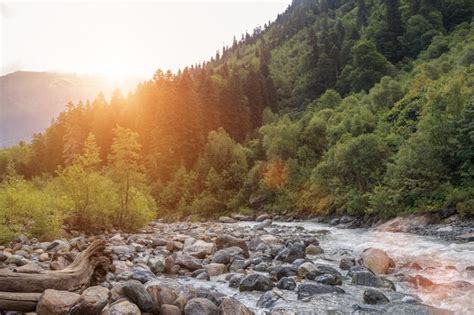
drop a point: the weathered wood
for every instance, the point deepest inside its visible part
(75, 277)
(22, 302)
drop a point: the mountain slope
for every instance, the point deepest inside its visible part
(30, 100)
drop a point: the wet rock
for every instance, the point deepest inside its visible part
(291, 252)
(188, 262)
(262, 267)
(230, 306)
(122, 307)
(372, 296)
(91, 301)
(329, 279)
(267, 300)
(214, 269)
(414, 309)
(142, 274)
(168, 309)
(198, 248)
(203, 276)
(285, 271)
(286, 283)
(466, 237)
(376, 260)
(369, 279)
(263, 224)
(346, 263)
(200, 306)
(313, 250)
(256, 282)
(54, 302)
(224, 241)
(306, 290)
(137, 293)
(235, 280)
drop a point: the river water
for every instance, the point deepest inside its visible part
(442, 262)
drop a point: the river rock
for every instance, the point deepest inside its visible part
(142, 274)
(329, 279)
(225, 219)
(91, 301)
(122, 307)
(284, 271)
(225, 241)
(291, 252)
(188, 262)
(137, 293)
(372, 296)
(157, 265)
(313, 250)
(286, 283)
(346, 263)
(234, 280)
(369, 279)
(198, 248)
(306, 268)
(263, 224)
(256, 282)
(376, 260)
(55, 302)
(214, 269)
(221, 257)
(267, 300)
(306, 290)
(168, 309)
(230, 306)
(239, 265)
(200, 306)
(16, 260)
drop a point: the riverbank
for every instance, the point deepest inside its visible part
(267, 266)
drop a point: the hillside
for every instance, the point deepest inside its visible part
(336, 107)
(30, 100)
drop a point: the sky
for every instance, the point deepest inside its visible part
(125, 38)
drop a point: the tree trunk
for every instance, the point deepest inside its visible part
(88, 267)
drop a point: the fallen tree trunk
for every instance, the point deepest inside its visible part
(76, 277)
(21, 302)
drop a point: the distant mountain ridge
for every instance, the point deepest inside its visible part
(30, 100)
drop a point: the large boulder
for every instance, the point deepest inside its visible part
(230, 306)
(91, 301)
(225, 241)
(136, 292)
(55, 302)
(256, 282)
(198, 248)
(376, 260)
(306, 290)
(200, 306)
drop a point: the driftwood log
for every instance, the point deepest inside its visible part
(20, 291)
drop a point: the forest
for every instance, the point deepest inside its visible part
(359, 107)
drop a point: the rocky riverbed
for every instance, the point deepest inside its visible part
(264, 267)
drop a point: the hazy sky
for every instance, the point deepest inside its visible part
(123, 38)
